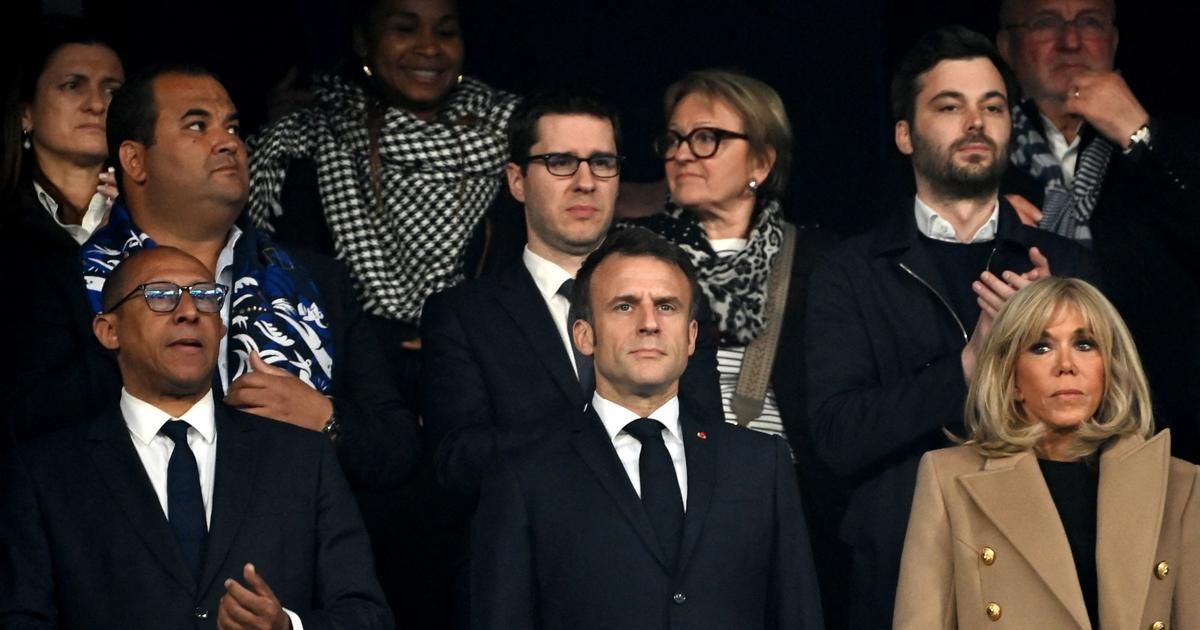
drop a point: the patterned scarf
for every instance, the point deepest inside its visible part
(401, 221)
(274, 309)
(736, 286)
(1065, 212)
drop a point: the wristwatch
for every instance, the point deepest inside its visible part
(332, 426)
(1139, 138)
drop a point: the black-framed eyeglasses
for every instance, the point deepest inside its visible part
(703, 142)
(163, 296)
(1048, 26)
(602, 165)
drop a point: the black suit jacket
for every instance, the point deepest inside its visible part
(561, 539)
(496, 374)
(85, 543)
(65, 376)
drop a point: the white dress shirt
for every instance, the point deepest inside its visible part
(548, 277)
(629, 449)
(93, 215)
(932, 225)
(154, 449)
(1066, 153)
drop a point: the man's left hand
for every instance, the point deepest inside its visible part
(253, 608)
(993, 291)
(275, 393)
(1105, 101)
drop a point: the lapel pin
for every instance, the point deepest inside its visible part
(702, 435)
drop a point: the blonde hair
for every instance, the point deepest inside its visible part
(996, 422)
(760, 108)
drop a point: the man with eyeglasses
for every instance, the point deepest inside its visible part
(1091, 164)
(170, 510)
(500, 367)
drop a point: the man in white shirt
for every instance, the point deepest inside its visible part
(645, 511)
(1093, 165)
(170, 510)
(896, 316)
(499, 367)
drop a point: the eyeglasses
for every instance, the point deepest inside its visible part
(602, 165)
(1048, 26)
(703, 142)
(163, 296)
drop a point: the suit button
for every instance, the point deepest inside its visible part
(1162, 570)
(1158, 625)
(679, 598)
(993, 611)
(200, 613)
(988, 556)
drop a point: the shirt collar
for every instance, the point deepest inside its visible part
(144, 420)
(546, 275)
(932, 225)
(225, 258)
(93, 216)
(615, 417)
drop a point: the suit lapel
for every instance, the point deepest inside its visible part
(1133, 492)
(595, 448)
(520, 298)
(1011, 492)
(701, 456)
(233, 487)
(121, 469)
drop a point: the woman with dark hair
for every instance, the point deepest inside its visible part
(1061, 508)
(61, 191)
(392, 166)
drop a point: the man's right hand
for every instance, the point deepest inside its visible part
(992, 293)
(1028, 213)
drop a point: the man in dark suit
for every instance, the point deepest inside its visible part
(170, 510)
(499, 368)
(896, 317)
(642, 511)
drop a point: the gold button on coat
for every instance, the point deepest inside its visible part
(1158, 625)
(993, 611)
(988, 555)
(1162, 570)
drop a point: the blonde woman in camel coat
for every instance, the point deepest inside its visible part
(1058, 387)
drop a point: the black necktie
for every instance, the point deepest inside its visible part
(583, 362)
(660, 487)
(185, 504)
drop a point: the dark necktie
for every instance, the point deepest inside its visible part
(660, 487)
(185, 504)
(583, 362)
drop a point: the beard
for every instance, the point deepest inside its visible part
(952, 179)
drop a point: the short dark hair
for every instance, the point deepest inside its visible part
(522, 126)
(133, 113)
(946, 43)
(633, 241)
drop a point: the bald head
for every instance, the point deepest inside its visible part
(1012, 11)
(129, 273)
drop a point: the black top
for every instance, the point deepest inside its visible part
(1073, 485)
(960, 264)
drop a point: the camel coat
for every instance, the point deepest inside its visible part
(985, 547)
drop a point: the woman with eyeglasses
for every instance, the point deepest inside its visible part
(392, 166)
(1061, 508)
(727, 151)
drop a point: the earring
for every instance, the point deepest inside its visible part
(367, 71)
(753, 185)
(26, 141)
(459, 79)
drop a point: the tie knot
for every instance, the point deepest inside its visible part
(567, 288)
(645, 429)
(176, 430)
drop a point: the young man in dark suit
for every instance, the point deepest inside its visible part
(169, 509)
(642, 511)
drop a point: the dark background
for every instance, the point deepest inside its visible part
(830, 60)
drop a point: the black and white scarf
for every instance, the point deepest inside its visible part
(1064, 211)
(435, 179)
(736, 286)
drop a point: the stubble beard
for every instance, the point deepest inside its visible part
(953, 180)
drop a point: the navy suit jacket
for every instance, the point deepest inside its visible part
(561, 541)
(496, 374)
(84, 542)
